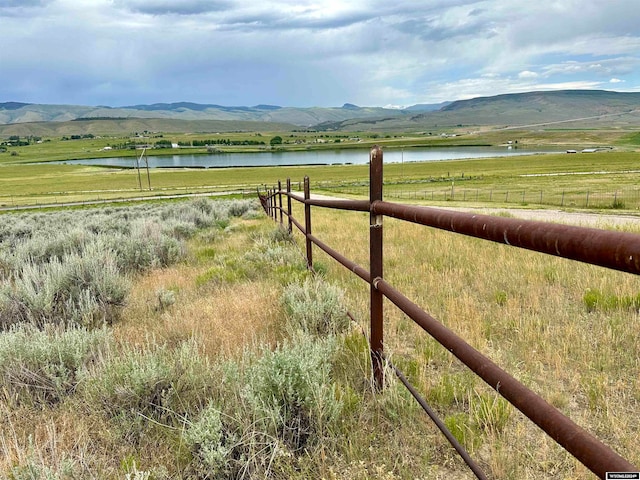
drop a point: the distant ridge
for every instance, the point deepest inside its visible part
(603, 99)
(581, 108)
(504, 110)
(12, 105)
(15, 112)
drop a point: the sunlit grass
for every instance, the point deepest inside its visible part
(531, 314)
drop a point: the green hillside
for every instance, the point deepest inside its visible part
(118, 126)
(568, 108)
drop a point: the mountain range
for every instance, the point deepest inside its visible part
(580, 107)
(16, 112)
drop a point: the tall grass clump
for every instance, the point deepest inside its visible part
(43, 366)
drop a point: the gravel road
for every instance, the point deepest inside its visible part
(559, 216)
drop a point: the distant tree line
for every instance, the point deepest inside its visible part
(223, 141)
(163, 144)
(17, 141)
(79, 137)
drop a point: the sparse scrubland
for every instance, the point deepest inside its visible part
(188, 340)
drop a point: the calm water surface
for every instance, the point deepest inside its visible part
(323, 157)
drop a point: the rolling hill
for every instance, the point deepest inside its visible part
(574, 108)
(118, 126)
(15, 112)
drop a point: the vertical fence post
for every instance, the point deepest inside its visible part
(267, 202)
(376, 263)
(289, 205)
(271, 203)
(307, 222)
(280, 199)
(274, 204)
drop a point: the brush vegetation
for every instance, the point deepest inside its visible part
(188, 340)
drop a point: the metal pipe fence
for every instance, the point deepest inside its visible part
(610, 249)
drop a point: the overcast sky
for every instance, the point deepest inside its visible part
(311, 53)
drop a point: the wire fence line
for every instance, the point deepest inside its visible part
(622, 199)
(628, 199)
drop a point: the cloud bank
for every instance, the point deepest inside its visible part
(304, 53)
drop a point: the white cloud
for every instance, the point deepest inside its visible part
(527, 74)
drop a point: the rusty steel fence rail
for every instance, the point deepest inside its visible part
(610, 249)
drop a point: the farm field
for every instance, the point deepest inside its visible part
(593, 180)
(152, 340)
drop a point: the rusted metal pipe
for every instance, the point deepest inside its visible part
(280, 200)
(376, 265)
(307, 223)
(299, 225)
(615, 250)
(289, 212)
(440, 424)
(592, 453)
(353, 205)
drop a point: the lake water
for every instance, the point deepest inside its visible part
(317, 157)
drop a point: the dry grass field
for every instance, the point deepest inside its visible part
(181, 382)
(568, 331)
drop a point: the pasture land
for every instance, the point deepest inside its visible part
(181, 381)
(25, 180)
(576, 180)
(558, 326)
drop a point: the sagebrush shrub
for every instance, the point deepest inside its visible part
(210, 445)
(291, 393)
(67, 268)
(85, 290)
(316, 307)
(43, 366)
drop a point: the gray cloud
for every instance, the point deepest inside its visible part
(309, 52)
(23, 3)
(173, 7)
(19, 8)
